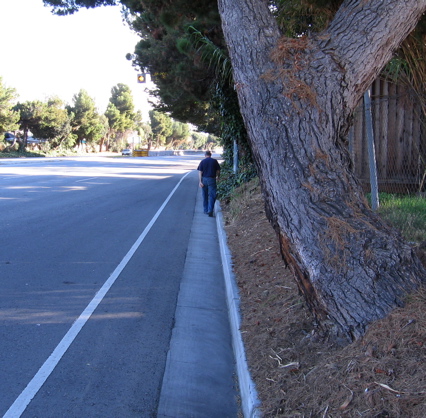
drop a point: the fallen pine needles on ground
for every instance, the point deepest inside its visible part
(297, 375)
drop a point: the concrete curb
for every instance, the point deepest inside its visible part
(250, 403)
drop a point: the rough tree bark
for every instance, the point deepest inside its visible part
(297, 97)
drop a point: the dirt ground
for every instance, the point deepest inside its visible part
(383, 375)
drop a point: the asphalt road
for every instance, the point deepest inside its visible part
(68, 231)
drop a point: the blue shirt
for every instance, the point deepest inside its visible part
(209, 167)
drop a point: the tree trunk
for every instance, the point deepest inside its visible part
(296, 97)
(101, 144)
(10, 147)
(23, 142)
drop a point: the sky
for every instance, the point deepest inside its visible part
(43, 55)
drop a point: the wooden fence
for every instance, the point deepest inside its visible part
(399, 127)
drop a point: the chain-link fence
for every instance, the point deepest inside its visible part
(399, 127)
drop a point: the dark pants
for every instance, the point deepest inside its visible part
(209, 194)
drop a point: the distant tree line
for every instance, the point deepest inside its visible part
(79, 125)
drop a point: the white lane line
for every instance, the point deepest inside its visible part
(89, 178)
(22, 401)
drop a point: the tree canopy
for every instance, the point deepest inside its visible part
(162, 127)
(87, 124)
(8, 116)
(120, 110)
(55, 121)
(184, 76)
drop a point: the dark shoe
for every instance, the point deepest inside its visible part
(211, 214)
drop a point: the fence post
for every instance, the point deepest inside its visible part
(235, 157)
(371, 151)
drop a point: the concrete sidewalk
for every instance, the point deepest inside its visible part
(206, 373)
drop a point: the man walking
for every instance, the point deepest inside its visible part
(208, 170)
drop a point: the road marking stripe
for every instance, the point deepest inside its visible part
(22, 401)
(87, 179)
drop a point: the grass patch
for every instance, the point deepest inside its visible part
(240, 198)
(406, 213)
(229, 182)
(57, 152)
(26, 154)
